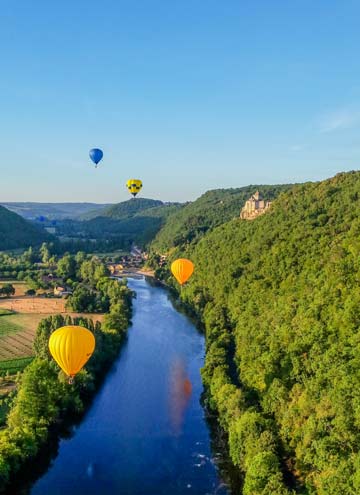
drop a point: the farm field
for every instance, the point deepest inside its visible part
(17, 330)
(39, 305)
(12, 366)
(17, 333)
(20, 287)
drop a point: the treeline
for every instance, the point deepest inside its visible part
(16, 232)
(125, 210)
(42, 269)
(104, 230)
(89, 243)
(188, 224)
(26, 266)
(135, 221)
(44, 398)
(280, 300)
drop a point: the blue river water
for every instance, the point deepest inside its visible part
(145, 433)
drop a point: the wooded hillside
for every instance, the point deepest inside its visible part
(280, 299)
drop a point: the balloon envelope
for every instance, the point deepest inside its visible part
(134, 186)
(182, 269)
(96, 155)
(71, 347)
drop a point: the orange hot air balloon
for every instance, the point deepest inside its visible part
(182, 269)
(71, 347)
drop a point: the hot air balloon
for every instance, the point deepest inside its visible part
(71, 347)
(182, 269)
(96, 155)
(134, 186)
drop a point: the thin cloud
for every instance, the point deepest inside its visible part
(338, 120)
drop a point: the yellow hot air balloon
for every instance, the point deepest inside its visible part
(134, 186)
(182, 269)
(71, 347)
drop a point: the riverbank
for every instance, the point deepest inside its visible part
(135, 273)
(245, 433)
(45, 401)
(221, 398)
(146, 431)
(215, 416)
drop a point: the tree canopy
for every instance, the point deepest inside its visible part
(15, 232)
(213, 208)
(280, 298)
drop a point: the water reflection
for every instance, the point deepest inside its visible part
(145, 432)
(179, 394)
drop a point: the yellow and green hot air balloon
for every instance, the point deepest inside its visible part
(71, 347)
(134, 186)
(182, 269)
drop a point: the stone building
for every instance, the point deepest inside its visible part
(256, 205)
(115, 268)
(61, 291)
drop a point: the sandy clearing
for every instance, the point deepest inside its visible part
(38, 305)
(42, 306)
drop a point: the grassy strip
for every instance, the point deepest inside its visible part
(7, 325)
(12, 366)
(5, 312)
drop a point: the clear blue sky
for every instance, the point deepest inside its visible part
(188, 95)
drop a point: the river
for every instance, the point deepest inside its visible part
(145, 432)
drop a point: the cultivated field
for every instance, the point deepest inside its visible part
(17, 333)
(12, 366)
(17, 330)
(40, 305)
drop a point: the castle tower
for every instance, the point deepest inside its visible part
(254, 206)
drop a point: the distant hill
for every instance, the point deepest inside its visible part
(190, 223)
(15, 232)
(136, 220)
(124, 210)
(52, 211)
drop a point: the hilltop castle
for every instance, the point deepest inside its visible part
(256, 205)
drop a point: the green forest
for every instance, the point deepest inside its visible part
(44, 400)
(15, 232)
(279, 299)
(137, 220)
(193, 220)
(109, 228)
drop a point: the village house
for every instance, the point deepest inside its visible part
(61, 291)
(162, 261)
(115, 268)
(256, 205)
